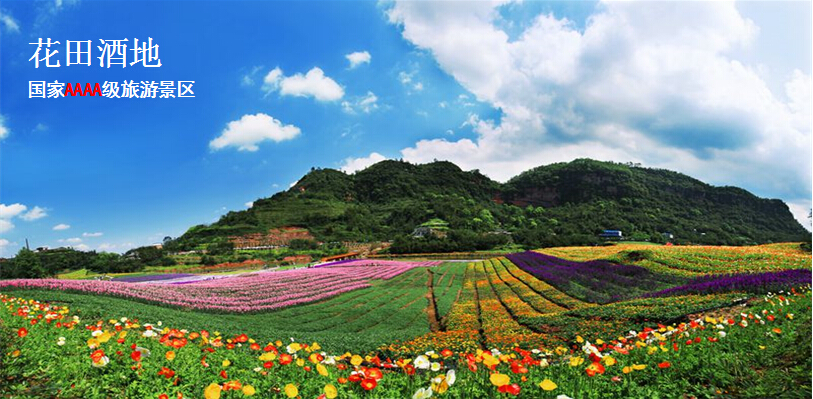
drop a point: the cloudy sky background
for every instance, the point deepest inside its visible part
(717, 90)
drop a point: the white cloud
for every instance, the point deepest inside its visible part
(97, 234)
(357, 58)
(4, 244)
(801, 211)
(250, 130)
(106, 247)
(61, 226)
(351, 165)
(365, 104)
(3, 129)
(81, 247)
(248, 78)
(272, 80)
(74, 240)
(649, 82)
(110, 247)
(249, 204)
(8, 22)
(34, 214)
(5, 226)
(7, 212)
(407, 79)
(10, 211)
(313, 84)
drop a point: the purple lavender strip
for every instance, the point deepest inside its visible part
(755, 283)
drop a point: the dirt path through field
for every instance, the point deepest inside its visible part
(431, 307)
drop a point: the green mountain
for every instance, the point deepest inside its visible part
(558, 204)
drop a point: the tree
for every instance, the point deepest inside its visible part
(220, 247)
(26, 265)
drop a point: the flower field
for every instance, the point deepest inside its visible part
(254, 292)
(528, 325)
(594, 281)
(692, 261)
(124, 357)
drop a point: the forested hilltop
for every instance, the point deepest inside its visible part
(559, 204)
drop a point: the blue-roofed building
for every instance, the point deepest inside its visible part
(611, 234)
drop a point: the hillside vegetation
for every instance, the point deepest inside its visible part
(553, 205)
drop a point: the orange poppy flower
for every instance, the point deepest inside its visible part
(594, 368)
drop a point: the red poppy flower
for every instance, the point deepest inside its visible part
(167, 373)
(223, 374)
(285, 359)
(97, 355)
(374, 373)
(446, 353)
(664, 365)
(136, 356)
(368, 384)
(409, 369)
(268, 365)
(472, 367)
(354, 377)
(517, 368)
(163, 396)
(512, 389)
(22, 332)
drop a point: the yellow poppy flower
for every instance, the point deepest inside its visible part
(248, 390)
(356, 360)
(499, 379)
(212, 391)
(547, 385)
(330, 391)
(291, 391)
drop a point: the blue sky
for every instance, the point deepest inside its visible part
(285, 86)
